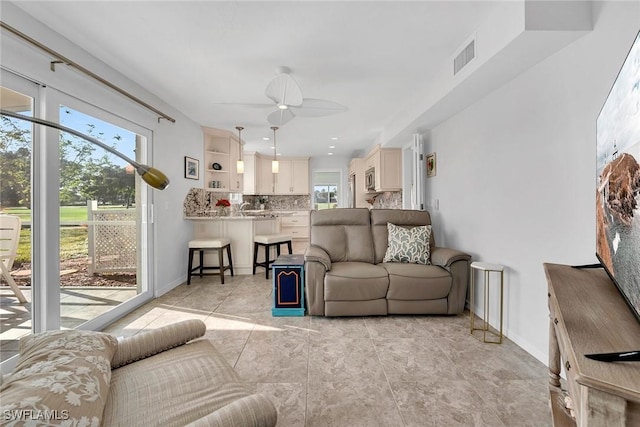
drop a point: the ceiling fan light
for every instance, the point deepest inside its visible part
(275, 166)
(283, 106)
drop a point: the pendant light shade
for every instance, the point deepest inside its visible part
(275, 165)
(240, 162)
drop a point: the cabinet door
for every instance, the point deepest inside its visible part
(250, 173)
(300, 177)
(235, 179)
(390, 170)
(284, 178)
(265, 176)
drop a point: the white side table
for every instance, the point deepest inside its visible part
(487, 268)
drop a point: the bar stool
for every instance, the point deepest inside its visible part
(202, 245)
(268, 241)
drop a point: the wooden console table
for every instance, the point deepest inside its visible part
(589, 315)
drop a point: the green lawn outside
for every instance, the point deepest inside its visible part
(73, 240)
(67, 213)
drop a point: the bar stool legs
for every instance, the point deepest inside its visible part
(219, 245)
(267, 242)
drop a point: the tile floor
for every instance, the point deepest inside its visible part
(364, 371)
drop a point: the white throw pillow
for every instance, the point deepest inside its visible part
(408, 244)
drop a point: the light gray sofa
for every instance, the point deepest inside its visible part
(162, 377)
(345, 274)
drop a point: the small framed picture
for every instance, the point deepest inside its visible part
(431, 164)
(191, 168)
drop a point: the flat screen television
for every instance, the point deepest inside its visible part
(618, 181)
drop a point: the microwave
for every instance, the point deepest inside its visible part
(370, 179)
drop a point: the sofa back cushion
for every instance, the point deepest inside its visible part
(402, 217)
(344, 233)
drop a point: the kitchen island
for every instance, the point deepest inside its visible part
(241, 230)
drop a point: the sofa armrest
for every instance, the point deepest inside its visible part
(250, 411)
(317, 254)
(316, 265)
(146, 344)
(444, 257)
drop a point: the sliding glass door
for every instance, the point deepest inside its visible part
(83, 255)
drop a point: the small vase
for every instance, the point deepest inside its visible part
(222, 211)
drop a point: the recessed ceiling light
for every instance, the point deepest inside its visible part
(332, 146)
(331, 154)
(334, 138)
(273, 148)
(266, 138)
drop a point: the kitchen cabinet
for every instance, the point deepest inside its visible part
(221, 151)
(250, 181)
(293, 177)
(297, 226)
(356, 183)
(387, 164)
(266, 179)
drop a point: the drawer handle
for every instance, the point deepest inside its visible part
(555, 321)
(567, 365)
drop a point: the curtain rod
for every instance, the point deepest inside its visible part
(60, 59)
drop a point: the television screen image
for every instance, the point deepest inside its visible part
(618, 181)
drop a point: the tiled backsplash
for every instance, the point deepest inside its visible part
(200, 202)
(279, 202)
(388, 200)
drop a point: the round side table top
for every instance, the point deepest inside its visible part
(487, 266)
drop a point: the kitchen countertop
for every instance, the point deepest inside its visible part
(249, 215)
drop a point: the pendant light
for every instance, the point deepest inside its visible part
(240, 162)
(275, 166)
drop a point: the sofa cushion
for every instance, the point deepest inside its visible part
(62, 377)
(355, 281)
(417, 281)
(172, 388)
(403, 217)
(408, 244)
(345, 234)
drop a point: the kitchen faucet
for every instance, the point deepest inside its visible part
(244, 205)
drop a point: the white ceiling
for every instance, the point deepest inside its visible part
(371, 56)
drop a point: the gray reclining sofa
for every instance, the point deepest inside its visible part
(345, 274)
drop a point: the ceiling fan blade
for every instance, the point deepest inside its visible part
(243, 105)
(283, 89)
(312, 107)
(280, 117)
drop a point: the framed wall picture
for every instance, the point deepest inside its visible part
(431, 164)
(191, 168)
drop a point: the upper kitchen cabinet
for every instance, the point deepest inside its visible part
(293, 177)
(221, 152)
(386, 164)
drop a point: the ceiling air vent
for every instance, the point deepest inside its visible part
(464, 57)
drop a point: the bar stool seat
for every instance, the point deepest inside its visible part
(219, 245)
(268, 241)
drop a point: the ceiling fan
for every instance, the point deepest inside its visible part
(286, 94)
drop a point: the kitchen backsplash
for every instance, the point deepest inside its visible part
(200, 202)
(279, 202)
(388, 200)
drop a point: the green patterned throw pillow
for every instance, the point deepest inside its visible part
(409, 245)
